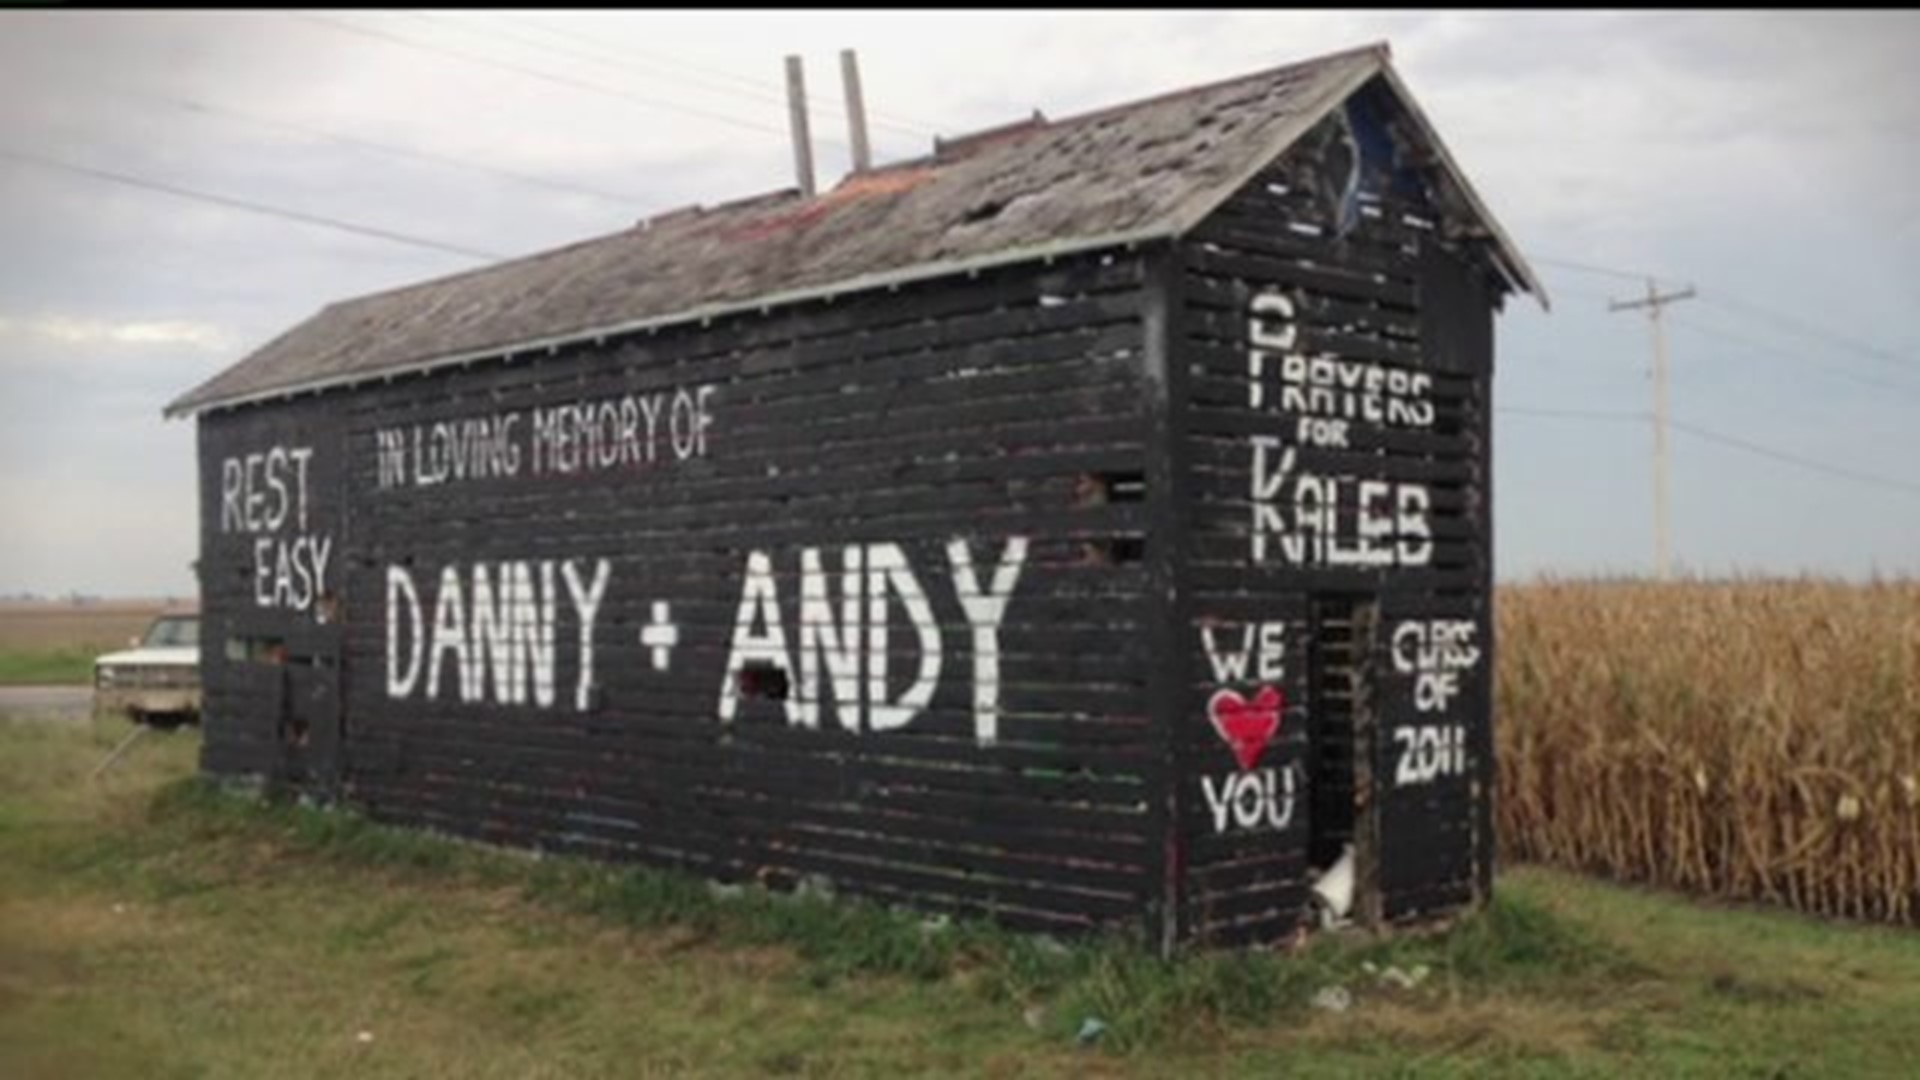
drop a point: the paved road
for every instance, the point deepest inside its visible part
(63, 700)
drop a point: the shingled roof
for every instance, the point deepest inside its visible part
(1143, 171)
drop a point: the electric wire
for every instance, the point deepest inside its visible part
(241, 116)
(537, 73)
(250, 206)
(1720, 438)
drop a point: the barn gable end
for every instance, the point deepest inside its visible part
(1032, 530)
(1329, 450)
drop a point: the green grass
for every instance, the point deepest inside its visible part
(153, 925)
(22, 667)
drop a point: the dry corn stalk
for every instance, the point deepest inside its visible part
(1747, 739)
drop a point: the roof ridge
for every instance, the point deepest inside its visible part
(863, 233)
(690, 212)
(770, 196)
(1376, 48)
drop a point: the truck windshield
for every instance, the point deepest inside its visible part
(173, 634)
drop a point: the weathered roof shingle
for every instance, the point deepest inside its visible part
(1135, 172)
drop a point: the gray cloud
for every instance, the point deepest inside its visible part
(1767, 155)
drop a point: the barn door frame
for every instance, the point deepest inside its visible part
(1350, 677)
(311, 721)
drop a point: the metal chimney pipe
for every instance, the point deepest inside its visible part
(797, 117)
(856, 111)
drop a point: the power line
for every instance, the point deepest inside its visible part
(758, 93)
(1588, 294)
(690, 73)
(758, 87)
(1798, 358)
(1570, 414)
(1590, 268)
(204, 108)
(535, 73)
(1708, 435)
(375, 232)
(1808, 330)
(1795, 459)
(1760, 311)
(232, 203)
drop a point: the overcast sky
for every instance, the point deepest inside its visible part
(1767, 159)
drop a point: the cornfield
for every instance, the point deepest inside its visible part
(1754, 740)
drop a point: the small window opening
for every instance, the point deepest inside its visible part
(256, 650)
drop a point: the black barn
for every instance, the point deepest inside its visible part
(1086, 525)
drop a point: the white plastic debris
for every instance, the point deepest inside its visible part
(815, 885)
(1050, 945)
(364, 1037)
(1090, 1030)
(1333, 891)
(1333, 999)
(1393, 975)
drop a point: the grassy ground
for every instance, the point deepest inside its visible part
(154, 928)
(50, 641)
(46, 667)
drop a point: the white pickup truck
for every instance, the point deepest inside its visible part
(158, 680)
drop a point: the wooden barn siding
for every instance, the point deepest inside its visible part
(245, 702)
(838, 423)
(1362, 300)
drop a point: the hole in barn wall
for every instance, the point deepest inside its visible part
(759, 679)
(1125, 487)
(1106, 488)
(256, 650)
(1113, 550)
(983, 212)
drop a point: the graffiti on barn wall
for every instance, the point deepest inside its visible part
(1251, 799)
(629, 431)
(1437, 653)
(267, 495)
(1297, 517)
(1262, 650)
(1261, 801)
(493, 630)
(489, 633)
(872, 579)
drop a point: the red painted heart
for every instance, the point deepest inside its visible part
(1247, 726)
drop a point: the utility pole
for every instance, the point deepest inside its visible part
(1662, 519)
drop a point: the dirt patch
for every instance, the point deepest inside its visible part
(94, 624)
